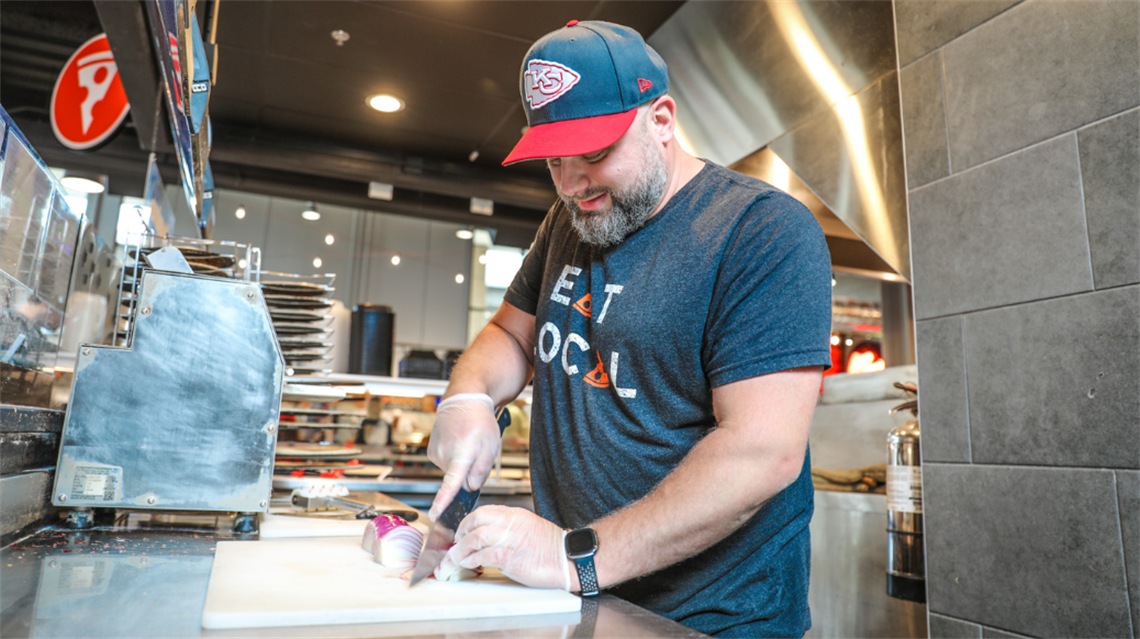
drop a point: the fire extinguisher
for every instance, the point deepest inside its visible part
(906, 560)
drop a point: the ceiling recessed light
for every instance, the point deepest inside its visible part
(329, 239)
(242, 263)
(459, 278)
(465, 234)
(395, 260)
(386, 103)
(240, 213)
(317, 262)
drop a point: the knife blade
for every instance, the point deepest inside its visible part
(442, 533)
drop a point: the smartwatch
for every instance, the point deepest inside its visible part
(581, 545)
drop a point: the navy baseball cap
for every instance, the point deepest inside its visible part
(581, 86)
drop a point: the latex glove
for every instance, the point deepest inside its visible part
(464, 443)
(522, 545)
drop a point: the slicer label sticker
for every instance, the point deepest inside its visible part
(97, 483)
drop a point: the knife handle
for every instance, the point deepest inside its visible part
(504, 418)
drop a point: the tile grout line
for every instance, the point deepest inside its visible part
(1024, 303)
(945, 111)
(1111, 116)
(1044, 467)
(960, 35)
(1084, 209)
(966, 381)
(1025, 148)
(1123, 557)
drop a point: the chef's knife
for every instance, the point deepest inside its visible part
(442, 533)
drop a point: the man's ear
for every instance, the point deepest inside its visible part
(663, 118)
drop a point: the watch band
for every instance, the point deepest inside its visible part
(587, 576)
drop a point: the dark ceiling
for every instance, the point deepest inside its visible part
(289, 105)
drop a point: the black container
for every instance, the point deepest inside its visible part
(422, 364)
(371, 340)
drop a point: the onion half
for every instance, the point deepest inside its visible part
(392, 542)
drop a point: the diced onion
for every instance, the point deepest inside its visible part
(392, 542)
(452, 572)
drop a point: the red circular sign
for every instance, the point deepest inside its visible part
(88, 102)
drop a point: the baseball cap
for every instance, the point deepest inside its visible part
(581, 86)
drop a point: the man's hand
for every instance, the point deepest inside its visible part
(464, 442)
(522, 545)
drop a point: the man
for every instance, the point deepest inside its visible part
(676, 318)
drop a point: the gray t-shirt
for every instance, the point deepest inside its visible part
(730, 280)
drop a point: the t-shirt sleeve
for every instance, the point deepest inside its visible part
(526, 288)
(771, 308)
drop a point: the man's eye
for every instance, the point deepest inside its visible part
(594, 157)
(553, 162)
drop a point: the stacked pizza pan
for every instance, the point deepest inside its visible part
(301, 313)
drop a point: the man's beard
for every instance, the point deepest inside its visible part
(629, 208)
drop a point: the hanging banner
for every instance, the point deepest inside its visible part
(88, 103)
(167, 19)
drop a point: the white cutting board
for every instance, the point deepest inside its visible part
(305, 582)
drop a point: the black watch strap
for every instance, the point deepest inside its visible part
(587, 576)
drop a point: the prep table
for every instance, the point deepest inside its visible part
(146, 574)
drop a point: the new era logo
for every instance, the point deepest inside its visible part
(545, 82)
(644, 84)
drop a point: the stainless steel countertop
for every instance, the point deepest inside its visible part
(147, 574)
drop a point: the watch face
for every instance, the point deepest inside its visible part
(581, 542)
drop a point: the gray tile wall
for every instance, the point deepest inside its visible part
(1110, 164)
(941, 627)
(1024, 205)
(1032, 550)
(927, 156)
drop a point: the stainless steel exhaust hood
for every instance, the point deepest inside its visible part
(814, 84)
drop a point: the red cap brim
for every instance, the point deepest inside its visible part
(571, 137)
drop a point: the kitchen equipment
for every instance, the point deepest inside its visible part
(280, 525)
(299, 306)
(371, 340)
(442, 533)
(906, 561)
(422, 364)
(335, 497)
(310, 582)
(183, 418)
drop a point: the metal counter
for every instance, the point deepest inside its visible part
(147, 576)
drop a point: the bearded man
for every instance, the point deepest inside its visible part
(675, 319)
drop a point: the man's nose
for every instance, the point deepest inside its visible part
(572, 179)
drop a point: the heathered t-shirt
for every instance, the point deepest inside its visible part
(730, 280)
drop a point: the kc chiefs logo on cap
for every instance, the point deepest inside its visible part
(545, 82)
(88, 102)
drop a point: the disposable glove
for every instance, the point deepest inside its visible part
(522, 545)
(464, 443)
